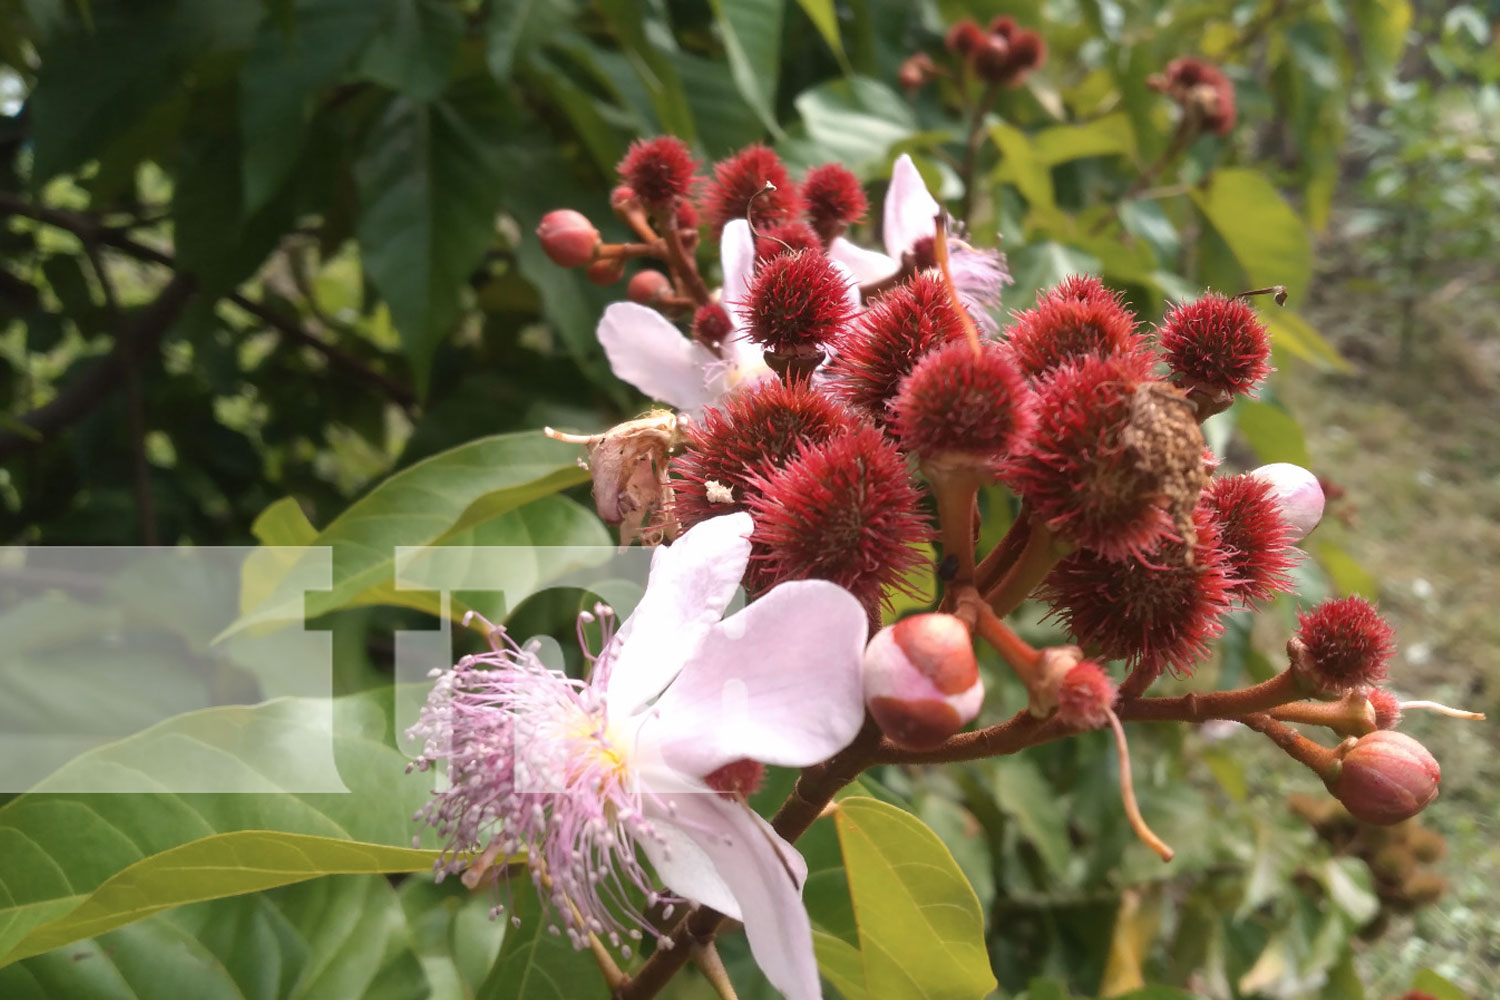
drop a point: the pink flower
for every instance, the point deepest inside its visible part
(647, 351)
(578, 774)
(909, 229)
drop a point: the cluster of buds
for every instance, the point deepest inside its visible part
(1001, 55)
(846, 379)
(1202, 91)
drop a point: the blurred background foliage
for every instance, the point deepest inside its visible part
(259, 261)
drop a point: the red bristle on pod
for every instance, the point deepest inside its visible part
(1255, 537)
(1344, 644)
(1077, 319)
(750, 432)
(834, 200)
(738, 187)
(659, 171)
(787, 237)
(1085, 694)
(797, 302)
(957, 405)
(1217, 344)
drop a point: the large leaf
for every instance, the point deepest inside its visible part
(921, 930)
(515, 27)
(855, 121)
(436, 499)
(1296, 335)
(341, 936)
(1266, 236)
(414, 50)
(1111, 134)
(58, 849)
(1271, 431)
(650, 46)
(751, 30)
(429, 180)
(841, 964)
(826, 20)
(536, 965)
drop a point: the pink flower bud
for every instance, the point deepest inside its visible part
(1297, 493)
(921, 680)
(568, 237)
(648, 287)
(1386, 777)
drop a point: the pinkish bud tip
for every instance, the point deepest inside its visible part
(648, 287)
(1297, 493)
(1386, 777)
(568, 237)
(921, 680)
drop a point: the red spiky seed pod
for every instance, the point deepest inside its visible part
(1085, 695)
(1202, 89)
(834, 198)
(1028, 51)
(1116, 459)
(568, 237)
(787, 237)
(1255, 537)
(1386, 777)
(883, 346)
(795, 302)
(845, 510)
(1216, 344)
(964, 37)
(750, 432)
(687, 216)
(1343, 645)
(1386, 705)
(1008, 54)
(659, 170)
(959, 406)
(622, 198)
(921, 680)
(648, 287)
(1157, 612)
(606, 271)
(711, 324)
(1079, 318)
(991, 59)
(738, 187)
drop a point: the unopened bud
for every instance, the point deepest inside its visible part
(568, 237)
(623, 197)
(1386, 777)
(915, 71)
(921, 680)
(606, 271)
(1298, 495)
(648, 287)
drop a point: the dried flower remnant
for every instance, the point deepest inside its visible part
(628, 464)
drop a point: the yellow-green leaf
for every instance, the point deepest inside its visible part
(1267, 238)
(1297, 336)
(921, 929)
(1101, 137)
(841, 964)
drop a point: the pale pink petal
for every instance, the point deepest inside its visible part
(851, 287)
(738, 852)
(778, 682)
(1298, 493)
(737, 258)
(654, 356)
(868, 265)
(909, 210)
(692, 582)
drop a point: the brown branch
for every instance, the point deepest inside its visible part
(971, 149)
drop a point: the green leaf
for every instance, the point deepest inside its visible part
(651, 57)
(515, 27)
(855, 121)
(1041, 265)
(1271, 431)
(921, 930)
(426, 504)
(1106, 136)
(1294, 334)
(1347, 573)
(1021, 165)
(57, 849)
(280, 80)
(213, 867)
(341, 936)
(1383, 25)
(841, 964)
(1443, 989)
(429, 181)
(1024, 795)
(1266, 236)
(826, 20)
(536, 965)
(283, 523)
(751, 30)
(414, 49)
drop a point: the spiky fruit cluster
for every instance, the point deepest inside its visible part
(883, 346)
(1085, 695)
(1342, 645)
(750, 432)
(1255, 538)
(787, 237)
(1386, 705)
(1080, 318)
(1202, 90)
(964, 37)
(1216, 344)
(1158, 612)
(1008, 54)
(835, 200)
(965, 405)
(845, 510)
(738, 190)
(659, 171)
(1385, 778)
(711, 325)
(796, 302)
(921, 680)
(1116, 459)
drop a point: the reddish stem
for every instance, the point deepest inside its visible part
(1038, 556)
